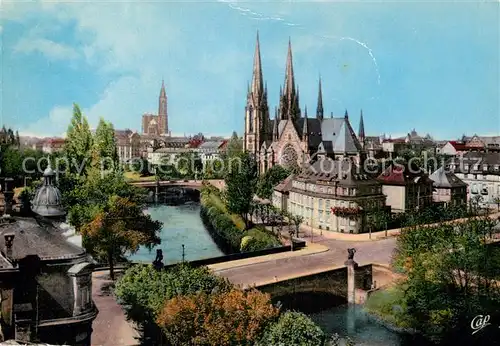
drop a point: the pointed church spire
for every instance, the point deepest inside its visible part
(346, 116)
(257, 80)
(319, 109)
(289, 109)
(305, 112)
(361, 133)
(162, 90)
(289, 76)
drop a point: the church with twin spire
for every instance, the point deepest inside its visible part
(292, 138)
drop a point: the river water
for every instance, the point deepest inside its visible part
(181, 225)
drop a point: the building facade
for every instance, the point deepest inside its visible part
(292, 138)
(406, 188)
(45, 281)
(128, 144)
(481, 172)
(157, 124)
(332, 195)
(448, 188)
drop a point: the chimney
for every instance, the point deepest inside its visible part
(9, 241)
(8, 196)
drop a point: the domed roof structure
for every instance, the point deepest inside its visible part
(48, 198)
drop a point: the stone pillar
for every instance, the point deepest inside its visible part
(351, 275)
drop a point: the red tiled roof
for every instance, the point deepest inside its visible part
(55, 141)
(459, 145)
(398, 174)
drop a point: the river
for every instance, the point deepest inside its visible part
(181, 225)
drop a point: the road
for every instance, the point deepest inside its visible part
(379, 251)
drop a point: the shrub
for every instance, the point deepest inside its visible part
(260, 240)
(293, 328)
(222, 319)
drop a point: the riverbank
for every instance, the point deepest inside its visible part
(228, 230)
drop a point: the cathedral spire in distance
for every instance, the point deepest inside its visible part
(361, 132)
(289, 86)
(257, 79)
(319, 108)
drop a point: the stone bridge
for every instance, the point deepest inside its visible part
(192, 184)
(333, 282)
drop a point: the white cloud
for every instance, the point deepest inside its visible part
(54, 125)
(52, 50)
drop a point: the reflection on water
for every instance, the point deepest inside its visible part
(334, 315)
(181, 225)
(351, 320)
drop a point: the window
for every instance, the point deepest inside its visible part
(250, 119)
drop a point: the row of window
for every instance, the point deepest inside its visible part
(341, 191)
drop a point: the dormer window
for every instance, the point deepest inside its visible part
(485, 167)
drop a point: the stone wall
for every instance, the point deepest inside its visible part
(331, 281)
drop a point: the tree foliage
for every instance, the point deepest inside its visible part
(104, 145)
(451, 276)
(270, 179)
(143, 290)
(221, 319)
(293, 328)
(78, 143)
(240, 185)
(121, 226)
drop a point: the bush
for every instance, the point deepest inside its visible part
(260, 239)
(293, 328)
(222, 319)
(143, 290)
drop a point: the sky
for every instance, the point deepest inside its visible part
(432, 66)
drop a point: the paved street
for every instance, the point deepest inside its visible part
(110, 327)
(379, 251)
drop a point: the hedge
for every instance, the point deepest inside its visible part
(225, 232)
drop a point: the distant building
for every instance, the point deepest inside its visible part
(483, 143)
(157, 124)
(448, 188)
(53, 145)
(168, 150)
(453, 148)
(406, 189)
(45, 281)
(332, 195)
(128, 144)
(210, 150)
(481, 172)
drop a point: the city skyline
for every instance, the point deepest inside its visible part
(432, 67)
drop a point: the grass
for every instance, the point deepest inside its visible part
(389, 306)
(135, 176)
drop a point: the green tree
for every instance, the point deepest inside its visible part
(120, 227)
(78, 143)
(270, 179)
(234, 146)
(451, 276)
(241, 182)
(11, 162)
(293, 328)
(104, 144)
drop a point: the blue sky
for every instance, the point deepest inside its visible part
(423, 65)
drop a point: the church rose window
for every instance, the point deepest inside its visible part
(289, 157)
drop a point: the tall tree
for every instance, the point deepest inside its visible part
(234, 146)
(78, 143)
(241, 181)
(104, 142)
(120, 227)
(270, 179)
